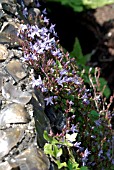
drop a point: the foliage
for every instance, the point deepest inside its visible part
(82, 60)
(55, 151)
(84, 140)
(81, 5)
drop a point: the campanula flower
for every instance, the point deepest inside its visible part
(37, 82)
(49, 100)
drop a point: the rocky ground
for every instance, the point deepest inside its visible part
(19, 102)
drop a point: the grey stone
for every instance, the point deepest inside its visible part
(16, 70)
(9, 7)
(8, 139)
(5, 165)
(33, 158)
(14, 113)
(3, 52)
(41, 120)
(20, 125)
(11, 93)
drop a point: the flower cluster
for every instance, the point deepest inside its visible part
(56, 75)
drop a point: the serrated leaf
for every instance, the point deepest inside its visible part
(48, 149)
(49, 138)
(60, 165)
(57, 151)
(77, 52)
(72, 165)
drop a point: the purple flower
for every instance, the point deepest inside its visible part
(44, 12)
(85, 155)
(86, 102)
(63, 72)
(100, 152)
(84, 96)
(49, 100)
(37, 82)
(113, 161)
(26, 57)
(61, 80)
(98, 122)
(34, 30)
(71, 103)
(23, 27)
(46, 20)
(56, 52)
(51, 29)
(25, 12)
(38, 4)
(73, 128)
(55, 34)
(108, 153)
(44, 89)
(43, 31)
(76, 81)
(73, 116)
(77, 144)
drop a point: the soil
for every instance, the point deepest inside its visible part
(95, 31)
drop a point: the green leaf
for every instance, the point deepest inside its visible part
(52, 150)
(84, 168)
(48, 149)
(72, 164)
(95, 3)
(81, 5)
(103, 83)
(59, 64)
(60, 165)
(94, 115)
(49, 138)
(57, 151)
(77, 52)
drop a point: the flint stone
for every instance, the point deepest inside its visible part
(9, 28)
(57, 119)
(41, 120)
(1, 82)
(8, 34)
(32, 158)
(1, 13)
(3, 77)
(14, 113)
(4, 39)
(3, 52)
(8, 139)
(5, 165)
(10, 93)
(16, 70)
(10, 39)
(9, 7)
